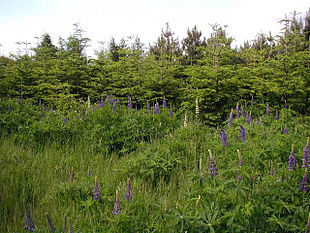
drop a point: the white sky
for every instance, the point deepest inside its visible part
(23, 20)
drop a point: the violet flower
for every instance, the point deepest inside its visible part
(284, 130)
(304, 183)
(267, 109)
(292, 162)
(50, 223)
(243, 112)
(276, 117)
(242, 133)
(306, 155)
(231, 117)
(101, 102)
(224, 138)
(65, 120)
(129, 102)
(29, 224)
(170, 111)
(114, 106)
(128, 195)
(213, 169)
(117, 206)
(156, 108)
(10, 109)
(97, 195)
(248, 118)
(237, 110)
(164, 103)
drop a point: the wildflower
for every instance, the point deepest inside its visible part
(185, 120)
(271, 168)
(10, 109)
(248, 118)
(170, 111)
(242, 133)
(88, 172)
(306, 155)
(292, 162)
(267, 109)
(240, 159)
(164, 103)
(50, 223)
(88, 102)
(29, 224)
(197, 107)
(252, 100)
(70, 226)
(213, 168)
(129, 102)
(117, 206)
(156, 108)
(128, 195)
(224, 138)
(276, 117)
(243, 112)
(96, 192)
(72, 175)
(114, 106)
(65, 120)
(101, 102)
(304, 183)
(285, 104)
(284, 130)
(231, 117)
(237, 110)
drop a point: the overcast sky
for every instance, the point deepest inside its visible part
(23, 20)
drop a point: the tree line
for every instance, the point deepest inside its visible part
(270, 69)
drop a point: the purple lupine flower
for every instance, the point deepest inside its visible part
(242, 133)
(10, 109)
(88, 172)
(213, 169)
(252, 100)
(276, 117)
(243, 112)
(129, 102)
(240, 162)
(248, 118)
(50, 223)
(267, 109)
(284, 130)
(285, 104)
(114, 106)
(65, 120)
(72, 175)
(101, 102)
(117, 206)
(170, 111)
(231, 117)
(46, 109)
(164, 103)
(224, 138)
(237, 110)
(306, 155)
(148, 106)
(156, 108)
(271, 169)
(128, 195)
(96, 196)
(304, 183)
(292, 162)
(29, 224)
